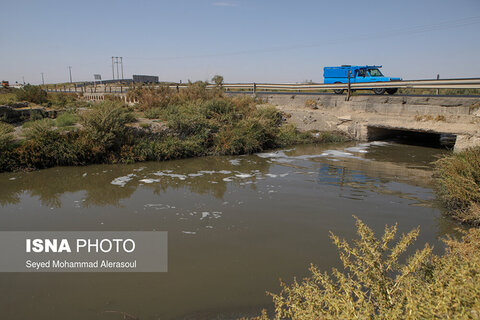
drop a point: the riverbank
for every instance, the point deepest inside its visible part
(194, 122)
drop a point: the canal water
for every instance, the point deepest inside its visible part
(236, 225)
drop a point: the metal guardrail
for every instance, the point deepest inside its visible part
(465, 83)
(468, 83)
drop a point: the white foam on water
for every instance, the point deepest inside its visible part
(11, 179)
(195, 174)
(139, 169)
(359, 149)
(224, 172)
(214, 182)
(172, 175)
(216, 214)
(243, 175)
(379, 143)
(283, 174)
(271, 175)
(149, 180)
(189, 232)
(209, 227)
(276, 154)
(84, 175)
(122, 181)
(206, 172)
(158, 206)
(204, 215)
(234, 162)
(227, 179)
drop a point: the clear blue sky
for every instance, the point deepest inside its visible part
(243, 40)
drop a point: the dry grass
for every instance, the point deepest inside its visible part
(458, 184)
(428, 117)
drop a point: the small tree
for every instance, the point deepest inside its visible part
(218, 80)
(31, 93)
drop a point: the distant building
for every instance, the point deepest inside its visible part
(145, 79)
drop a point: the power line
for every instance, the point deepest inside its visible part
(399, 32)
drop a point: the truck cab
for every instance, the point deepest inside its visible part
(358, 74)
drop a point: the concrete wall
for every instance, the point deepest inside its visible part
(358, 117)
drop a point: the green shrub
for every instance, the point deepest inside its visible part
(154, 113)
(374, 284)
(61, 99)
(6, 137)
(188, 120)
(66, 119)
(7, 98)
(31, 93)
(47, 149)
(458, 184)
(105, 123)
(37, 129)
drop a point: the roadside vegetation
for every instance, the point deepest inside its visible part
(36, 96)
(375, 284)
(458, 185)
(195, 122)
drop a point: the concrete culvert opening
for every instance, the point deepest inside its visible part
(410, 137)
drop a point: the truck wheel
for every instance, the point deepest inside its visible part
(379, 91)
(338, 91)
(392, 90)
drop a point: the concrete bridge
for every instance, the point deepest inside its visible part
(371, 117)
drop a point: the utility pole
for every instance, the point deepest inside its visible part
(118, 74)
(43, 81)
(121, 62)
(23, 79)
(113, 70)
(70, 71)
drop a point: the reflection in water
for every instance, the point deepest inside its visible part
(235, 225)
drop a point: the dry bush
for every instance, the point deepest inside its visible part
(309, 103)
(164, 96)
(458, 184)
(425, 117)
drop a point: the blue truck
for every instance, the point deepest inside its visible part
(359, 74)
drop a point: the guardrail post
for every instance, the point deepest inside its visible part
(438, 90)
(254, 89)
(55, 87)
(121, 89)
(178, 89)
(349, 92)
